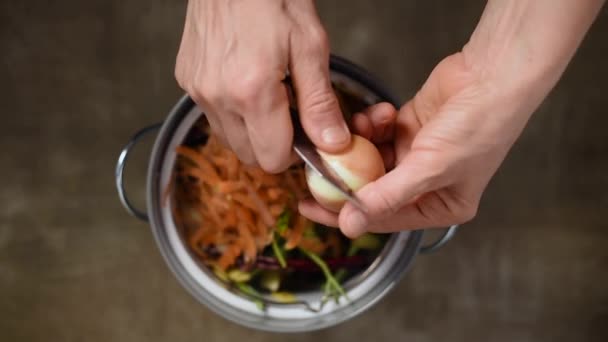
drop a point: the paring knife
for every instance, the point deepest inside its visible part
(304, 147)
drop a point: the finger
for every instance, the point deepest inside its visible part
(310, 209)
(252, 68)
(270, 130)
(320, 112)
(216, 129)
(361, 125)
(382, 117)
(236, 135)
(406, 128)
(254, 91)
(430, 211)
(210, 113)
(383, 198)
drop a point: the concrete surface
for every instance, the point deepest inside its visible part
(78, 77)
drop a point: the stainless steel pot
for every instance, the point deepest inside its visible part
(363, 291)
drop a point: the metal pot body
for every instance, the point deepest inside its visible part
(363, 291)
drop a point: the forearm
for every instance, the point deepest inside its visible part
(525, 45)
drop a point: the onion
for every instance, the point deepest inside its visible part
(358, 165)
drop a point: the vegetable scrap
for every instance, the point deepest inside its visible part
(243, 224)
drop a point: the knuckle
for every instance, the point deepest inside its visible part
(245, 88)
(206, 91)
(380, 203)
(320, 104)
(195, 85)
(462, 208)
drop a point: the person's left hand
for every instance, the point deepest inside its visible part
(444, 145)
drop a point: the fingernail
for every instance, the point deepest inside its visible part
(335, 135)
(357, 224)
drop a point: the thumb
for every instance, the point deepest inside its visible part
(386, 196)
(318, 105)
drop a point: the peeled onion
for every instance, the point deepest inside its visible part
(358, 165)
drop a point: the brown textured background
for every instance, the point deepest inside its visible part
(78, 77)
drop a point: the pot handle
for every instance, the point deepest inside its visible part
(447, 236)
(120, 167)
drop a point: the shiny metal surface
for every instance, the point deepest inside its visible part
(447, 235)
(120, 168)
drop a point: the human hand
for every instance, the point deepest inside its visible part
(443, 147)
(446, 143)
(232, 59)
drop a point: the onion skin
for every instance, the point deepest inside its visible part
(358, 165)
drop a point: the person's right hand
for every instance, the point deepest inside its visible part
(232, 59)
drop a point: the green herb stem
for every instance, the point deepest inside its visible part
(278, 252)
(325, 269)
